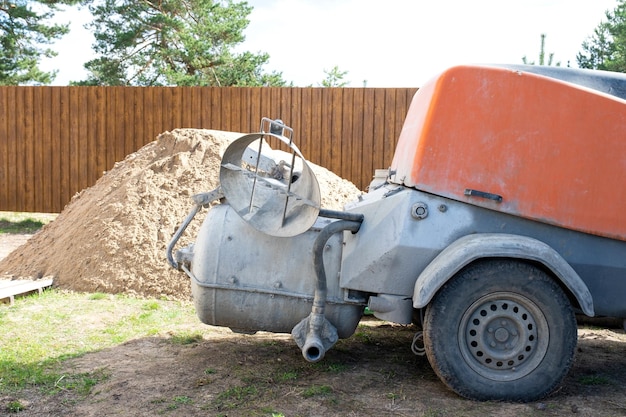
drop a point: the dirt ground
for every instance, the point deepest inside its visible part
(373, 373)
(112, 238)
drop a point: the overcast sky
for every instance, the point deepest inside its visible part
(388, 43)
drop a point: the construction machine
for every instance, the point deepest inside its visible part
(498, 221)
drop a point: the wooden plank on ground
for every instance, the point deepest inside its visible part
(10, 288)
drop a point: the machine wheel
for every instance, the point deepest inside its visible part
(501, 330)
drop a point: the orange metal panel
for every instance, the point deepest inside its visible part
(554, 151)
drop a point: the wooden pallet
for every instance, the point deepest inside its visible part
(9, 289)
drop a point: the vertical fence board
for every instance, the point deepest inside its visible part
(84, 139)
(148, 114)
(294, 101)
(255, 110)
(89, 135)
(15, 149)
(27, 160)
(216, 108)
(98, 117)
(224, 110)
(139, 134)
(335, 138)
(64, 146)
(5, 138)
(366, 151)
(4, 147)
(74, 142)
(44, 151)
(306, 124)
(236, 101)
(54, 132)
(345, 163)
(313, 115)
(129, 120)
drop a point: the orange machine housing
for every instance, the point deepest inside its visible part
(554, 151)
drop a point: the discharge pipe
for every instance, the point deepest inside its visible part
(315, 334)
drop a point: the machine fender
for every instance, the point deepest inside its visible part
(492, 245)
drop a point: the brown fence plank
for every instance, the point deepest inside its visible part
(83, 139)
(98, 124)
(4, 146)
(255, 110)
(64, 147)
(130, 144)
(367, 133)
(54, 128)
(43, 154)
(334, 143)
(347, 134)
(305, 123)
(315, 123)
(139, 135)
(74, 139)
(26, 161)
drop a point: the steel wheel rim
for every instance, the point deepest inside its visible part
(503, 336)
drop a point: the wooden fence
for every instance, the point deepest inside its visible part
(55, 141)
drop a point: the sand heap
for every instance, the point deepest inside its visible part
(112, 236)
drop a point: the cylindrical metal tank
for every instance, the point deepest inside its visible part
(249, 281)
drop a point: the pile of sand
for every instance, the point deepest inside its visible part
(112, 236)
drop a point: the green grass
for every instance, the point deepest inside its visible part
(23, 223)
(235, 397)
(317, 390)
(39, 332)
(594, 380)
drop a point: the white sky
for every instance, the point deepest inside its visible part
(387, 43)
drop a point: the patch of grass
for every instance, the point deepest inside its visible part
(151, 305)
(594, 380)
(178, 401)
(186, 338)
(317, 390)
(235, 397)
(98, 296)
(81, 383)
(364, 335)
(23, 223)
(288, 376)
(40, 332)
(15, 406)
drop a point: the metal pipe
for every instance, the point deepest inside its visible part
(341, 215)
(314, 347)
(199, 200)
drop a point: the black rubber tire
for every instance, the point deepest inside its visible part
(501, 329)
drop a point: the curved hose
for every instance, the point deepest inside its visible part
(320, 333)
(319, 299)
(200, 200)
